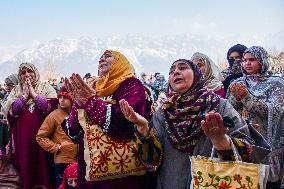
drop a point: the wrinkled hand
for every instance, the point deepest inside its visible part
(239, 91)
(131, 115)
(32, 92)
(26, 91)
(71, 89)
(213, 127)
(79, 90)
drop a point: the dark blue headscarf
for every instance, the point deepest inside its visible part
(236, 48)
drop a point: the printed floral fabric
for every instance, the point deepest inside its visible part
(212, 174)
(151, 153)
(107, 158)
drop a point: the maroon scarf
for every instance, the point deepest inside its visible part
(184, 112)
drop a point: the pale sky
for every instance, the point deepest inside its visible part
(24, 21)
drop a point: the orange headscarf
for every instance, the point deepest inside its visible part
(120, 70)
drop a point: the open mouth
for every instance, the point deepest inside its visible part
(178, 80)
(102, 65)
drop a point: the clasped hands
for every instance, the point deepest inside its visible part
(28, 89)
(79, 89)
(239, 91)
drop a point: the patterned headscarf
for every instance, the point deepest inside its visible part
(120, 70)
(184, 112)
(261, 55)
(268, 90)
(41, 88)
(212, 74)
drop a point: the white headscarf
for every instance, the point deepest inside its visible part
(41, 88)
(212, 74)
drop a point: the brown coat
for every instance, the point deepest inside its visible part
(51, 135)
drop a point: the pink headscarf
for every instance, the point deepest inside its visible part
(70, 172)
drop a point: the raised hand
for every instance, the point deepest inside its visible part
(86, 89)
(32, 92)
(26, 91)
(213, 127)
(69, 88)
(239, 91)
(79, 90)
(140, 122)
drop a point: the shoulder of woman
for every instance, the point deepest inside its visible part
(132, 80)
(238, 79)
(276, 79)
(130, 84)
(48, 89)
(45, 84)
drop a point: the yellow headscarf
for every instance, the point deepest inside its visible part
(120, 70)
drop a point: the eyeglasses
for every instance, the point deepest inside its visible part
(249, 59)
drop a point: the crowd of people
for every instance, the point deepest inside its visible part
(118, 130)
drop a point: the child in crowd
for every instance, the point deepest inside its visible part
(70, 177)
(54, 136)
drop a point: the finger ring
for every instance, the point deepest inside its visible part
(212, 129)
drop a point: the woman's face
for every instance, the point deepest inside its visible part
(181, 77)
(200, 64)
(27, 73)
(105, 63)
(251, 64)
(235, 55)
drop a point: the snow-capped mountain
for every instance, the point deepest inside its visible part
(62, 57)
